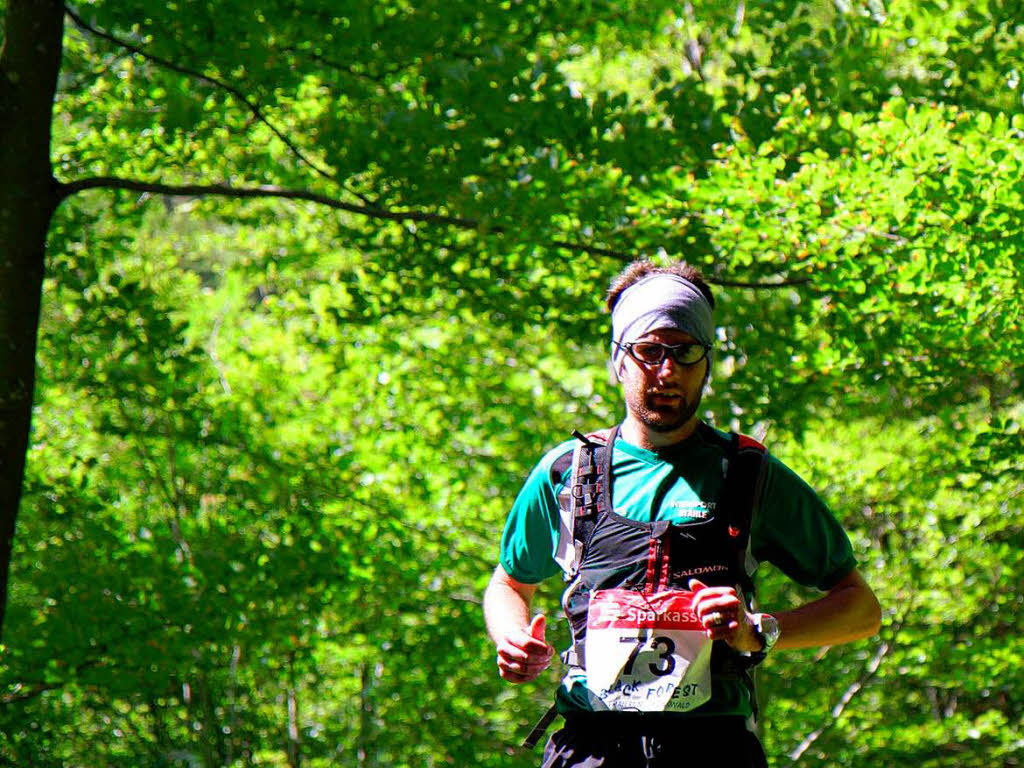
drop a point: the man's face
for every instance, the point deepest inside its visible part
(663, 397)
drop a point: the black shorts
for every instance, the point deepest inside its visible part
(613, 740)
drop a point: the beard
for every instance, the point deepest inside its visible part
(646, 401)
(665, 418)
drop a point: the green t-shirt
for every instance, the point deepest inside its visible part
(792, 528)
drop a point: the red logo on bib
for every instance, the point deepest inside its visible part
(623, 609)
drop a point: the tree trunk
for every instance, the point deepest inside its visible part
(29, 65)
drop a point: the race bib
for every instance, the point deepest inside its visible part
(646, 652)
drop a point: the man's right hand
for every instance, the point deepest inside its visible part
(523, 654)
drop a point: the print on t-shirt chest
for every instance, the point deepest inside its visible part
(681, 494)
(680, 505)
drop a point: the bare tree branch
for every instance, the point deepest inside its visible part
(261, 191)
(24, 692)
(65, 190)
(254, 108)
(870, 670)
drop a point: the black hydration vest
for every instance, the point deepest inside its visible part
(612, 551)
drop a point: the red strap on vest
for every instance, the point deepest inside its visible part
(656, 579)
(749, 442)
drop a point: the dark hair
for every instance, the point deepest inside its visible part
(638, 270)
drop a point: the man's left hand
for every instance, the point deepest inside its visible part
(722, 612)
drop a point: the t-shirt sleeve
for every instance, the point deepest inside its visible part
(530, 539)
(795, 531)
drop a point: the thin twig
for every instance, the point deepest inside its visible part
(692, 47)
(741, 12)
(252, 106)
(211, 346)
(783, 283)
(597, 251)
(347, 69)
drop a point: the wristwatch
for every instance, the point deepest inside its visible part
(766, 627)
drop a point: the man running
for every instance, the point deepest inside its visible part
(657, 525)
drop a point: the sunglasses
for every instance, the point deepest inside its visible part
(653, 353)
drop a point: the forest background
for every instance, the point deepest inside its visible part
(314, 285)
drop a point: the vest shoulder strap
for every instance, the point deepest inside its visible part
(741, 488)
(584, 495)
(587, 492)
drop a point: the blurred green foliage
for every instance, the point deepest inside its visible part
(274, 443)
